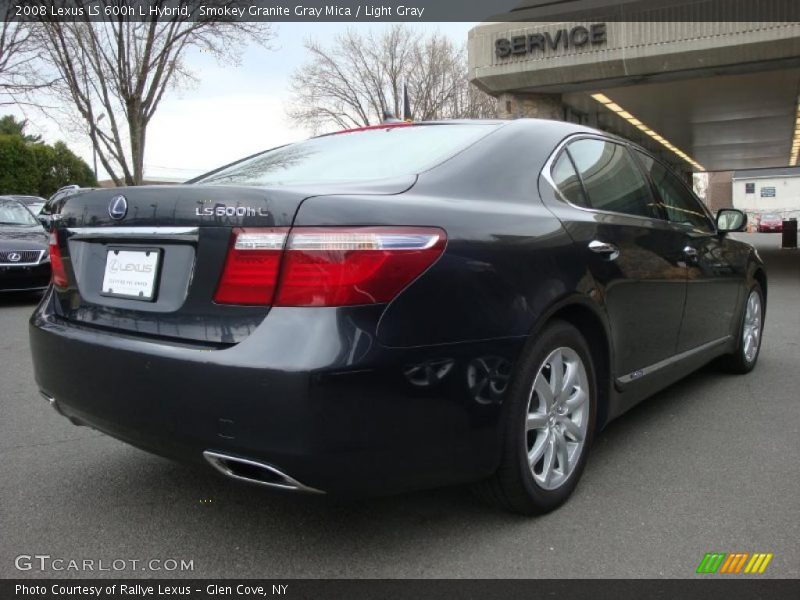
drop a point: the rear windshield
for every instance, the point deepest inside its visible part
(354, 156)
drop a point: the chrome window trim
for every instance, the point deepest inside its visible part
(548, 165)
(27, 264)
(144, 233)
(706, 211)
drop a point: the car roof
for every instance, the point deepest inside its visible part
(463, 122)
(397, 124)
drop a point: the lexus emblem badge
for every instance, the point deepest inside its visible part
(118, 207)
(14, 257)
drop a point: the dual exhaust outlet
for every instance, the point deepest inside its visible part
(253, 471)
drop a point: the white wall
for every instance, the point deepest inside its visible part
(786, 201)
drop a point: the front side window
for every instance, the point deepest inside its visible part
(679, 203)
(353, 156)
(612, 180)
(567, 181)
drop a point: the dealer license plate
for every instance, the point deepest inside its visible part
(131, 273)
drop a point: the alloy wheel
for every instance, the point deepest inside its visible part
(557, 418)
(751, 330)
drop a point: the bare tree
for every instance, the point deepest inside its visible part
(359, 77)
(17, 58)
(440, 86)
(115, 72)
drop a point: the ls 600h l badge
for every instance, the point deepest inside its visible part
(220, 210)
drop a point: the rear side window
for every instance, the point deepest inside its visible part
(611, 179)
(567, 181)
(353, 156)
(679, 203)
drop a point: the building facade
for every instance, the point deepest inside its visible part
(760, 191)
(705, 95)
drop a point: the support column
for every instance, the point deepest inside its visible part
(539, 106)
(720, 190)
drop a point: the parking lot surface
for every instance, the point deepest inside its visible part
(710, 464)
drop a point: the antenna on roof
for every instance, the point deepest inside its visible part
(406, 104)
(389, 118)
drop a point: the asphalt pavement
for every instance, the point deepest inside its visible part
(710, 464)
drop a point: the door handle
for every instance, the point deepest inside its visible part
(610, 251)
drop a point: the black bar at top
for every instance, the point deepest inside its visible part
(405, 10)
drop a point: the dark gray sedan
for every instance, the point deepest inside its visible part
(24, 255)
(395, 307)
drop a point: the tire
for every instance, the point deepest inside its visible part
(535, 424)
(744, 359)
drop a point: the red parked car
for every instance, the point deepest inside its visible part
(770, 223)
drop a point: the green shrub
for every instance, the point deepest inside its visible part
(30, 167)
(19, 172)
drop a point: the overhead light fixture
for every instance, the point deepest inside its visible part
(627, 116)
(796, 139)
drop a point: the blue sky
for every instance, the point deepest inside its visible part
(232, 111)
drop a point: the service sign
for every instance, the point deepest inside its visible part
(768, 192)
(559, 39)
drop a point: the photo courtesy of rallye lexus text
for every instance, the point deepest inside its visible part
(394, 308)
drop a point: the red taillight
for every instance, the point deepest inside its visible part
(363, 265)
(58, 275)
(325, 266)
(251, 267)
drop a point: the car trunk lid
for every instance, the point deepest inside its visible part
(187, 231)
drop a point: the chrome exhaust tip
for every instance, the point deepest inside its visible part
(51, 401)
(255, 472)
(54, 404)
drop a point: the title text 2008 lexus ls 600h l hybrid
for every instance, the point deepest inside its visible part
(396, 307)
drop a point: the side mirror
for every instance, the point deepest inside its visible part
(730, 219)
(44, 220)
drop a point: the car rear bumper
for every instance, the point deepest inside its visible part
(302, 394)
(24, 279)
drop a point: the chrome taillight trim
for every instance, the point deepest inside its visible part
(358, 240)
(272, 240)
